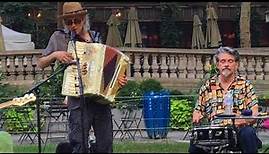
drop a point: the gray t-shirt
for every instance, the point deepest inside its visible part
(60, 38)
(59, 42)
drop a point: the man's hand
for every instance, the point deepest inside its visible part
(63, 56)
(196, 116)
(122, 80)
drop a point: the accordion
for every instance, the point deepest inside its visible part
(104, 64)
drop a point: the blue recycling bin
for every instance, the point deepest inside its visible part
(156, 113)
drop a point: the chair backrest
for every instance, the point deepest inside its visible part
(130, 111)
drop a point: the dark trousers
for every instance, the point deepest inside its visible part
(97, 116)
(248, 141)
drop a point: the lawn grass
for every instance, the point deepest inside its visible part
(124, 147)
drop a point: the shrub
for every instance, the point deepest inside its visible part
(131, 92)
(180, 114)
(13, 117)
(150, 85)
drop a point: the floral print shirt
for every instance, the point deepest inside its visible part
(211, 96)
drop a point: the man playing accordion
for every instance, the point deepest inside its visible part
(211, 98)
(96, 115)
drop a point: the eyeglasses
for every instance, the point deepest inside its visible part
(71, 21)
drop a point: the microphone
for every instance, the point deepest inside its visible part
(73, 35)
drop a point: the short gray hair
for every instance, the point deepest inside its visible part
(228, 50)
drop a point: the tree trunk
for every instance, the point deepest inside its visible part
(59, 12)
(245, 41)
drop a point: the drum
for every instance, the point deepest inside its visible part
(214, 136)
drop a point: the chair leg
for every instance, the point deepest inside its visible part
(186, 134)
(118, 128)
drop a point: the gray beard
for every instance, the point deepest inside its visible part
(226, 72)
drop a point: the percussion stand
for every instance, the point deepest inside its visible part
(81, 92)
(36, 91)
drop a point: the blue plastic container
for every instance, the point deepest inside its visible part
(156, 113)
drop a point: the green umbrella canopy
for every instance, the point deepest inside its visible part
(133, 33)
(2, 44)
(213, 38)
(198, 40)
(113, 36)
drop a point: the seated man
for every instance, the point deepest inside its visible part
(211, 96)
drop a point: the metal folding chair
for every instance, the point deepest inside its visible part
(31, 124)
(56, 113)
(129, 123)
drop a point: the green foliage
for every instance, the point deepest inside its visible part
(180, 114)
(134, 90)
(254, 28)
(16, 121)
(129, 93)
(15, 16)
(150, 85)
(53, 87)
(14, 118)
(170, 33)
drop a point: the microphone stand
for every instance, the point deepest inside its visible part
(81, 92)
(36, 91)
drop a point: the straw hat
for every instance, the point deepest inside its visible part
(71, 9)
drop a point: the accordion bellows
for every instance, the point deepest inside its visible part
(104, 65)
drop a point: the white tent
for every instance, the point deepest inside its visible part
(16, 41)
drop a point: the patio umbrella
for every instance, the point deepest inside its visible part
(133, 33)
(212, 38)
(113, 36)
(2, 44)
(198, 40)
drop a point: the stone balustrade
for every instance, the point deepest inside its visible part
(192, 63)
(158, 63)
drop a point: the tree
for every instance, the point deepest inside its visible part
(170, 33)
(245, 25)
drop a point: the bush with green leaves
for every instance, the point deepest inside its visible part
(181, 114)
(14, 118)
(150, 85)
(133, 91)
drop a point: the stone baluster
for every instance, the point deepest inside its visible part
(266, 68)
(27, 68)
(164, 66)
(242, 67)
(35, 72)
(10, 68)
(258, 68)
(2, 65)
(173, 66)
(199, 67)
(207, 63)
(137, 65)
(146, 66)
(18, 68)
(191, 67)
(182, 66)
(155, 66)
(250, 68)
(128, 72)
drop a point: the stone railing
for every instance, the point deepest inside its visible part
(158, 63)
(192, 64)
